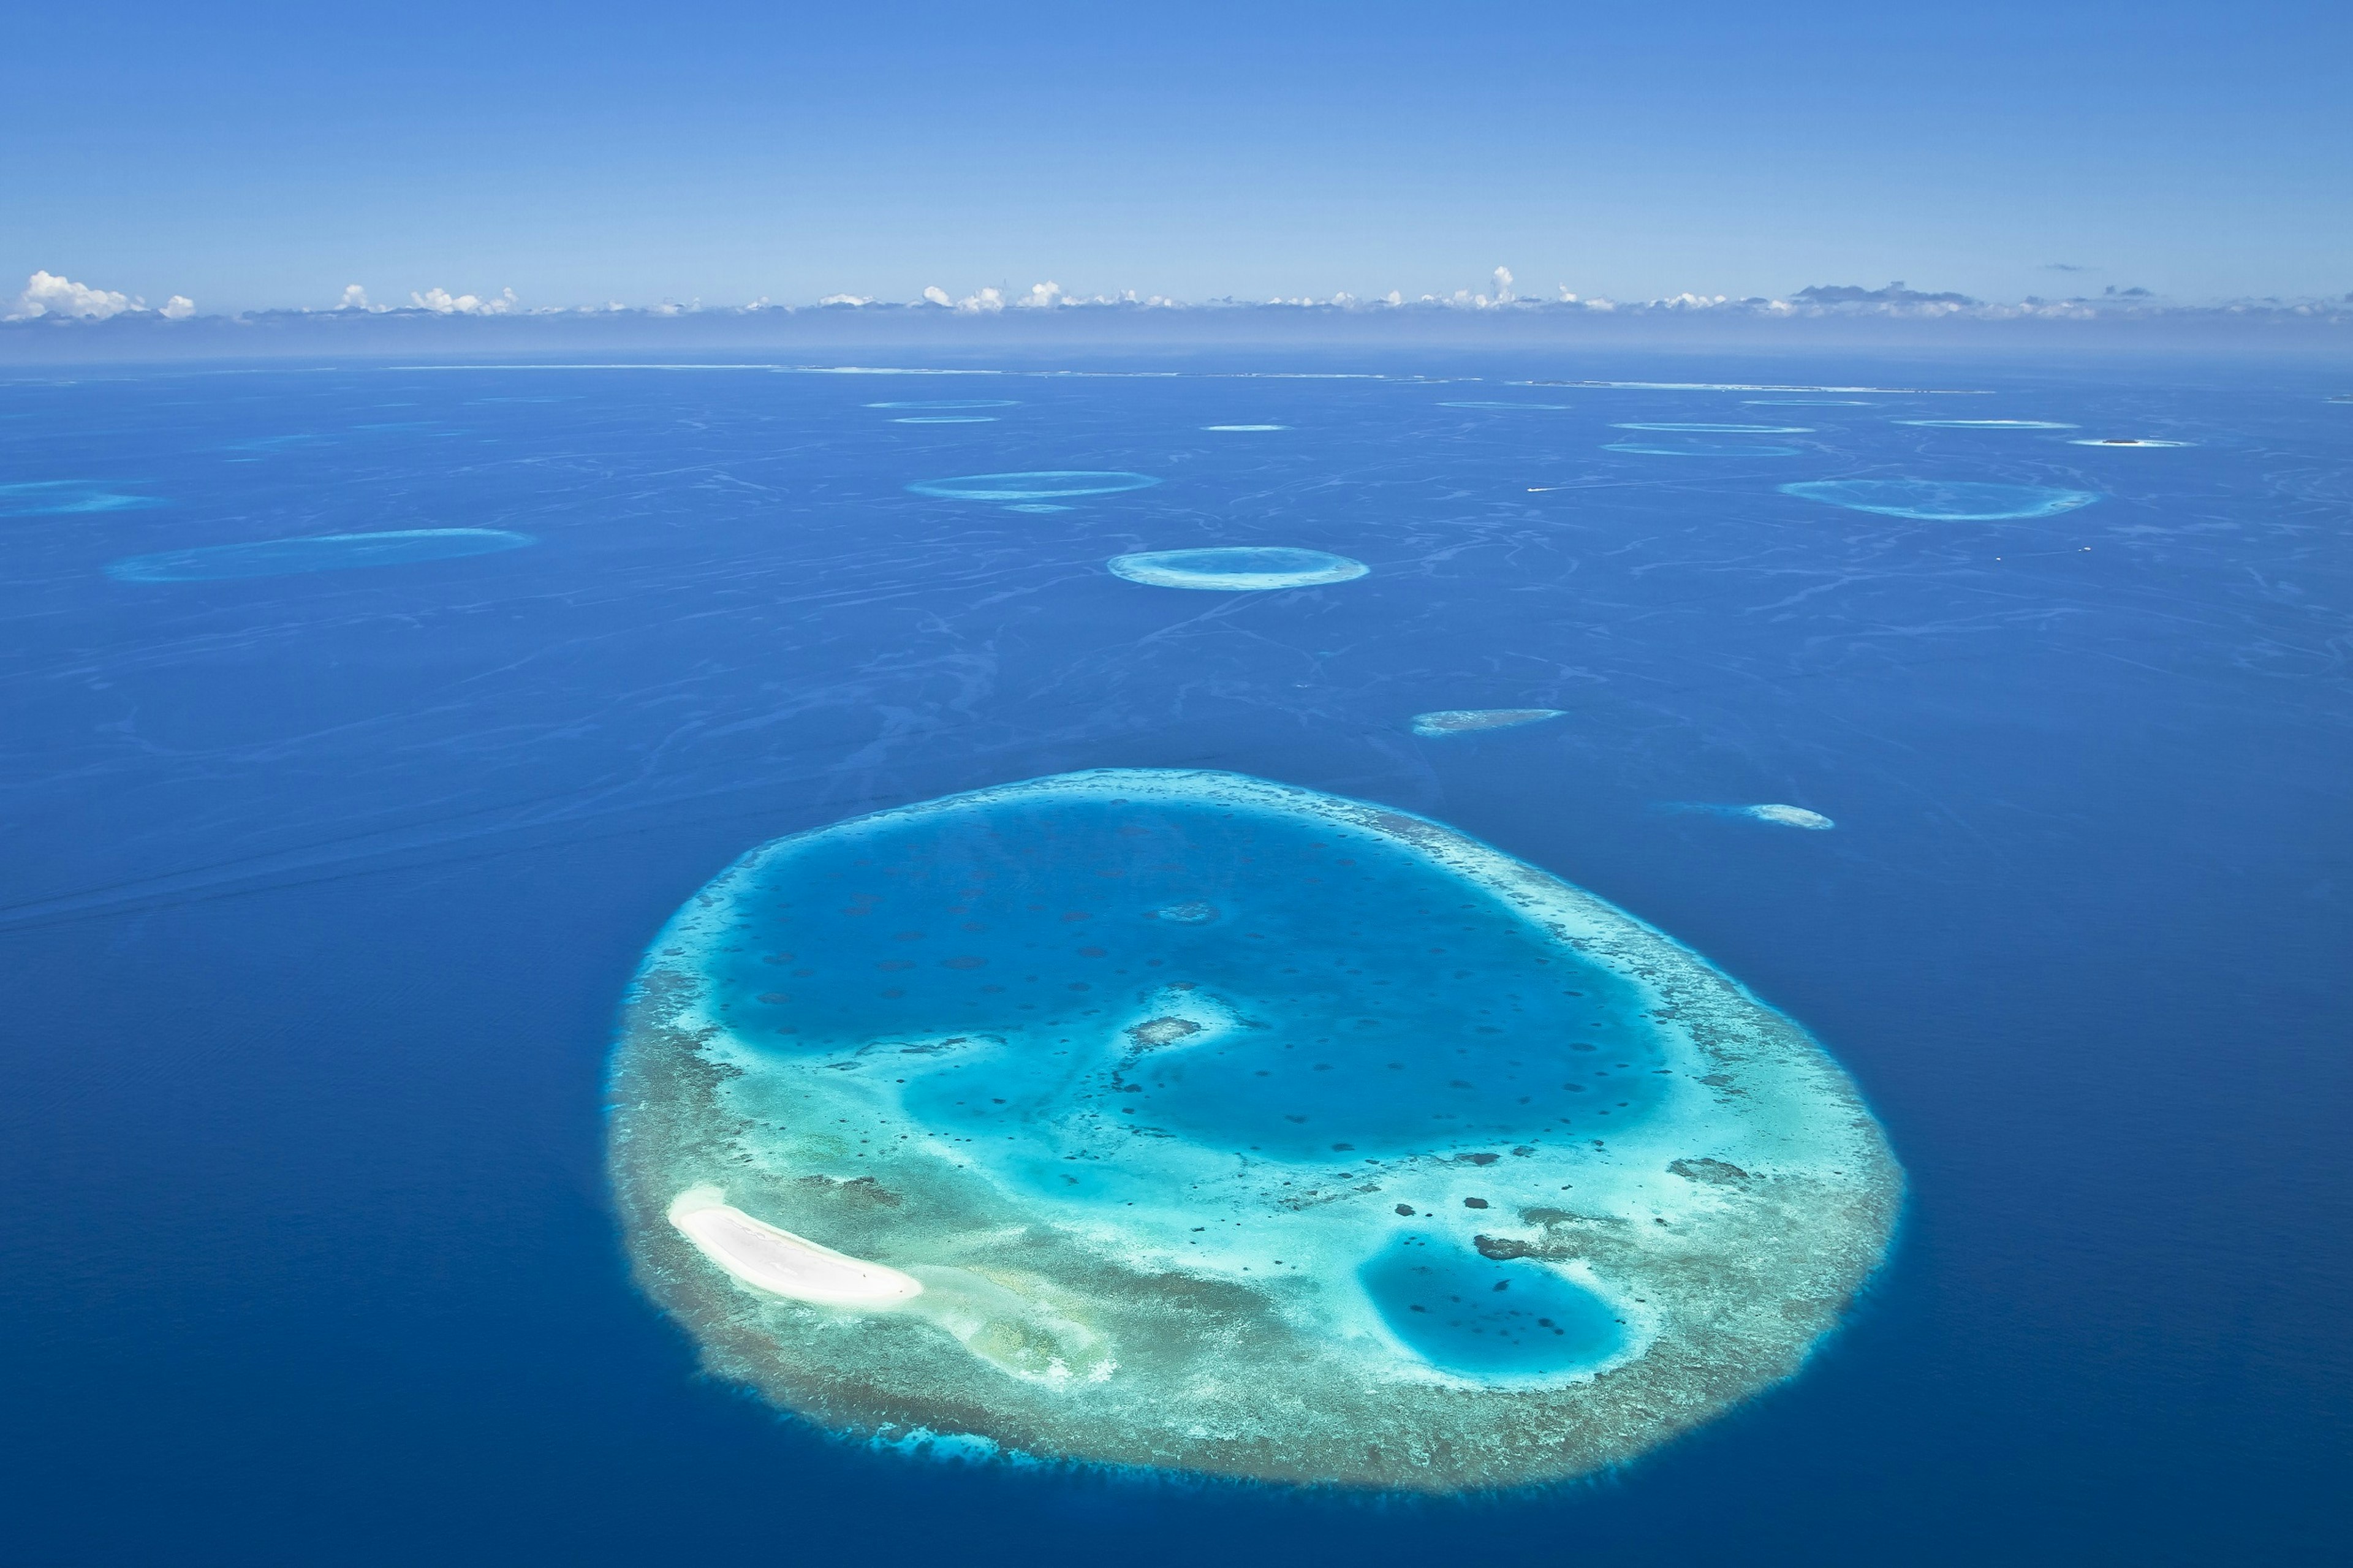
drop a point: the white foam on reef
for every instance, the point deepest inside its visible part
(1245, 426)
(947, 419)
(2123, 441)
(1237, 569)
(1470, 720)
(1789, 816)
(779, 1262)
(1099, 1290)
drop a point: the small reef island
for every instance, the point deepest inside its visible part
(1190, 1121)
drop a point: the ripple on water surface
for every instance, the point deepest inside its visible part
(1237, 569)
(1043, 484)
(1188, 1119)
(1939, 500)
(943, 403)
(316, 552)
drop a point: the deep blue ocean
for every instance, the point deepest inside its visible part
(327, 866)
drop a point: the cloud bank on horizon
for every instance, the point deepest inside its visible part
(45, 294)
(54, 300)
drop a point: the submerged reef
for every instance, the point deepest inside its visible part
(315, 552)
(58, 497)
(1237, 569)
(2123, 441)
(1723, 429)
(1700, 449)
(1188, 1120)
(1989, 423)
(1936, 500)
(1044, 484)
(1467, 721)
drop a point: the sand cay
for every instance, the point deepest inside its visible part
(776, 1260)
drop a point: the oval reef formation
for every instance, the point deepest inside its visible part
(1237, 569)
(1989, 423)
(1725, 429)
(1700, 449)
(315, 552)
(1936, 500)
(1188, 1120)
(1044, 484)
(1471, 720)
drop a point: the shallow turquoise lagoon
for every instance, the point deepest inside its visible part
(1495, 1318)
(316, 552)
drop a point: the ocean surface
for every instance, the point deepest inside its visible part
(365, 725)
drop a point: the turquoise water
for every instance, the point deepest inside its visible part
(1488, 1318)
(1356, 999)
(318, 552)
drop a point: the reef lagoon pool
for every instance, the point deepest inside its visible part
(1269, 959)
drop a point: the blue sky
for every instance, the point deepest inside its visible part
(268, 154)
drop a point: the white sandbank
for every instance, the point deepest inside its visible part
(767, 1258)
(1789, 816)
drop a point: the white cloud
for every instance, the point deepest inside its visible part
(1041, 296)
(1504, 295)
(356, 299)
(47, 294)
(847, 299)
(178, 308)
(441, 302)
(986, 302)
(938, 296)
